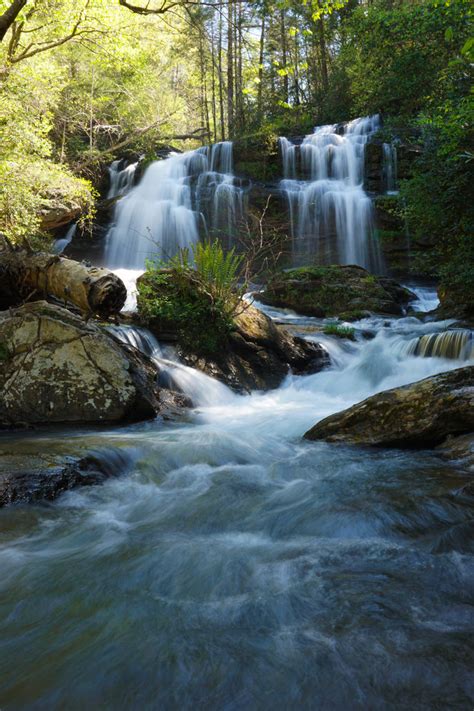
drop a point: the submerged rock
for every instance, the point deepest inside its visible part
(57, 368)
(23, 481)
(259, 354)
(345, 291)
(417, 415)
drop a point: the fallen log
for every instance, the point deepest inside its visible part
(92, 290)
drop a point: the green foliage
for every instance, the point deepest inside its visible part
(436, 200)
(195, 295)
(395, 54)
(336, 329)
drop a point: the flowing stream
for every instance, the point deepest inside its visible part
(232, 565)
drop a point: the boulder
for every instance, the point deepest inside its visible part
(56, 368)
(259, 354)
(348, 292)
(417, 415)
(246, 351)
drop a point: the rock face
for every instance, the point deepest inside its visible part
(417, 415)
(348, 292)
(260, 354)
(57, 368)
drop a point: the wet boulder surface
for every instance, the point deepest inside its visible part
(38, 478)
(418, 415)
(348, 292)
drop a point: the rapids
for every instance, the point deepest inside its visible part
(234, 566)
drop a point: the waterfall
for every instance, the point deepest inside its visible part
(60, 244)
(177, 199)
(331, 215)
(121, 179)
(454, 345)
(203, 390)
(390, 168)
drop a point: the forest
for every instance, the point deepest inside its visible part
(236, 354)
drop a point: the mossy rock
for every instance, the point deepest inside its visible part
(347, 291)
(257, 157)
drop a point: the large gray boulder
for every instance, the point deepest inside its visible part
(56, 368)
(417, 415)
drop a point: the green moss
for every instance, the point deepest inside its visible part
(4, 352)
(196, 305)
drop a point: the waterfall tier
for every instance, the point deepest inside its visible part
(453, 345)
(178, 199)
(330, 213)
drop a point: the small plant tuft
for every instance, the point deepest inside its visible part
(336, 329)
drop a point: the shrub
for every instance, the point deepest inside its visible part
(194, 295)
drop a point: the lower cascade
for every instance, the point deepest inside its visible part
(177, 200)
(455, 344)
(330, 213)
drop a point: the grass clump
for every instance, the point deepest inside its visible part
(336, 329)
(194, 296)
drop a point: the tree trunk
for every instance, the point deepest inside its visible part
(260, 70)
(9, 16)
(221, 80)
(230, 69)
(92, 290)
(323, 52)
(284, 55)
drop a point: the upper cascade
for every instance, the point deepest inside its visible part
(177, 199)
(122, 178)
(330, 213)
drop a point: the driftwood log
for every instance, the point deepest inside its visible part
(24, 274)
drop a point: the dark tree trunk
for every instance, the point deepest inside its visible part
(9, 16)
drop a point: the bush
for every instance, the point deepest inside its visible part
(195, 296)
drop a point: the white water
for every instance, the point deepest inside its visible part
(177, 199)
(390, 168)
(331, 215)
(60, 244)
(121, 178)
(234, 566)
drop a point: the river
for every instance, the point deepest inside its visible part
(232, 565)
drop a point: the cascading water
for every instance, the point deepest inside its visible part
(60, 244)
(199, 387)
(330, 213)
(233, 565)
(456, 345)
(177, 199)
(122, 178)
(389, 167)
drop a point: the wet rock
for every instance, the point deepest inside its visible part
(259, 354)
(57, 368)
(417, 415)
(25, 483)
(460, 450)
(345, 291)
